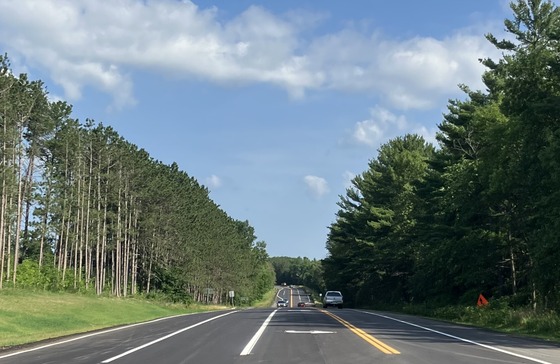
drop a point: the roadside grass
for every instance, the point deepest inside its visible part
(267, 301)
(498, 317)
(29, 316)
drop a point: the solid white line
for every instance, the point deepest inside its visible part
(90, 335)
(164, 337)
(257, 336)
(460, 338)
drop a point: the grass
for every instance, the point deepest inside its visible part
(268, 299)
(498, 317)
(28, 316)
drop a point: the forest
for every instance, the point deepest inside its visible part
(480, 212)
(84, 210)
(299, 271)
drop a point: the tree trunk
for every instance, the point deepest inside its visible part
(87, 220)
(19, 208)
(44, 221)
(98, 265)
(27, 191)
(3, 206)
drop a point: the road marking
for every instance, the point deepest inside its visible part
(251, 344)
(460, 338)
(312, 332)
(381, 346)
(90, 335)
(164, 338)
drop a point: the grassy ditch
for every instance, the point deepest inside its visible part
(27, 316)
(498, 317)
(268, 300)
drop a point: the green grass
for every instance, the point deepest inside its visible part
(498, 317)
(268, 300)
(28, 316)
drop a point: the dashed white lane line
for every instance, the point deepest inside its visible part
(460, 338)
(251, 344)
(164, 338)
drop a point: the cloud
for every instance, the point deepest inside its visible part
(213, 181)
(347, 177)
(408, 74)
(383, 125)
(102, 43)
(316, 185)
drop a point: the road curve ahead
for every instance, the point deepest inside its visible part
(290, 335)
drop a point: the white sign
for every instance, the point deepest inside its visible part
(231, 294)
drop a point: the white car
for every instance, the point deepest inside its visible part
(282, 303)
(333, 298)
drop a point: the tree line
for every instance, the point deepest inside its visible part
(299, 271)
(83, 209)
(479, 213)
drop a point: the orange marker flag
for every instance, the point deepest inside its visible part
(482, 301)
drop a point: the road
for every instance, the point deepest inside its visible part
(293, 295)
(290, 335)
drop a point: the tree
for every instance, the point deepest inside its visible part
(530, 73)
(371, 244)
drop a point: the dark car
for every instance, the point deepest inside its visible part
(301, 304)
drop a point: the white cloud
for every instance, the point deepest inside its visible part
(383, 125)
(100, 43)
(409, 74)
(214, 181)
(347, 177)
(318, 186)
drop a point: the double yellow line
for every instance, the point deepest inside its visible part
(384, 348)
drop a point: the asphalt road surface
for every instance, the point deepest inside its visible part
(290, 335)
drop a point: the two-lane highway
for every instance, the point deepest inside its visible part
(294, 295)
(291, 335)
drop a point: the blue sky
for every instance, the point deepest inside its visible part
(273, 105)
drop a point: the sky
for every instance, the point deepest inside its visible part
(273, 105)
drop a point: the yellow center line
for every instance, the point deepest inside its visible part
(364, 335)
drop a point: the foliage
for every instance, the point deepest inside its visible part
(82, 209)
(481, 213)
(498, 315)
(372, 242)
(299, 271)
(32, 276)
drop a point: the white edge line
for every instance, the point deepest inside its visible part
(164, 337)
(251, 344)
(92, 334)
(460, 338)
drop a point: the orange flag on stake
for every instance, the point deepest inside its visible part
(482, 301)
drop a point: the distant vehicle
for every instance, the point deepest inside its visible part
(333, 298)
(301, 304)
(284, 284)
(282, 303)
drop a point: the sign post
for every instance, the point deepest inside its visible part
(231, 295)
